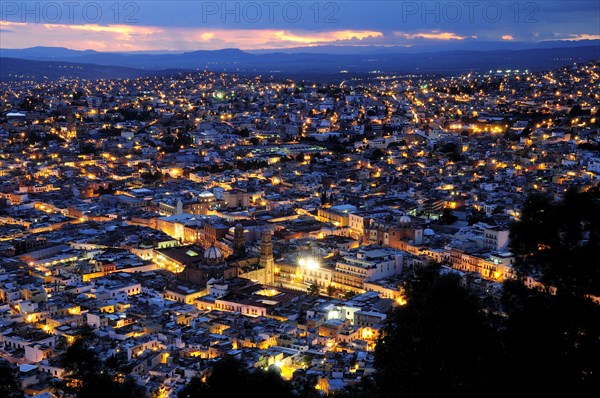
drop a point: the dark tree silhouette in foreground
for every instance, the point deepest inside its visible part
(560, 242)
(88, 377)
(9, 385)
(553, 340)
(229, 378)
(438, 344)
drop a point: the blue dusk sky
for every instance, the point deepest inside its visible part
(152, 25)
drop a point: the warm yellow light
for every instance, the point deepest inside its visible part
(162, 393)
(268, 292)
(309, 263)
(401, 301)
(174, 172)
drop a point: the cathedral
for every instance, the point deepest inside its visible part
(214, 265)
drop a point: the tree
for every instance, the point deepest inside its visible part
(9, 385)
(550, 338)
(243, 132)
(377, 154)
(447, 216)
(229, 378)
(194, 388)
(449, 147)
(331, 290)
(307, 359)
(130, 388)
(477, 216)
(364, 389)
(452, 150)
(108, 190)
(88, 377)
(323, 197)
(77, 95)
(269, 384)
(560, 242)
(183, 139)
(80, 363)
(29, 103)
(576, 110)
(555, 336)
(313, 289)
(152, 177)
(438, 344)
(88, 148)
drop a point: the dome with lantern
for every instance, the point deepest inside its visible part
(213, 256)
(206, 196)
(405, 220)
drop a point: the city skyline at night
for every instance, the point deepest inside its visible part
(299, 199)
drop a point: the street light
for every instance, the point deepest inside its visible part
(308, 263)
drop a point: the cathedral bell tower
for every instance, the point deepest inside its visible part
(239, 244)
(266, 257)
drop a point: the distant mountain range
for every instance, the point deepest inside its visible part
(439, 46)
(14, 69)
(45, 62)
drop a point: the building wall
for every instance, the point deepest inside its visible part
(328, 216)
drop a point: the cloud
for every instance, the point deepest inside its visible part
(433, 35)
(207, 36)
(139, 38)
(326, 37)
(579, 37)
(120, 29)
(507, 37)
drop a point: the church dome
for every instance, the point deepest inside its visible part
(213, 254)
(428, 232)
(405, 219)
(206, 194)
